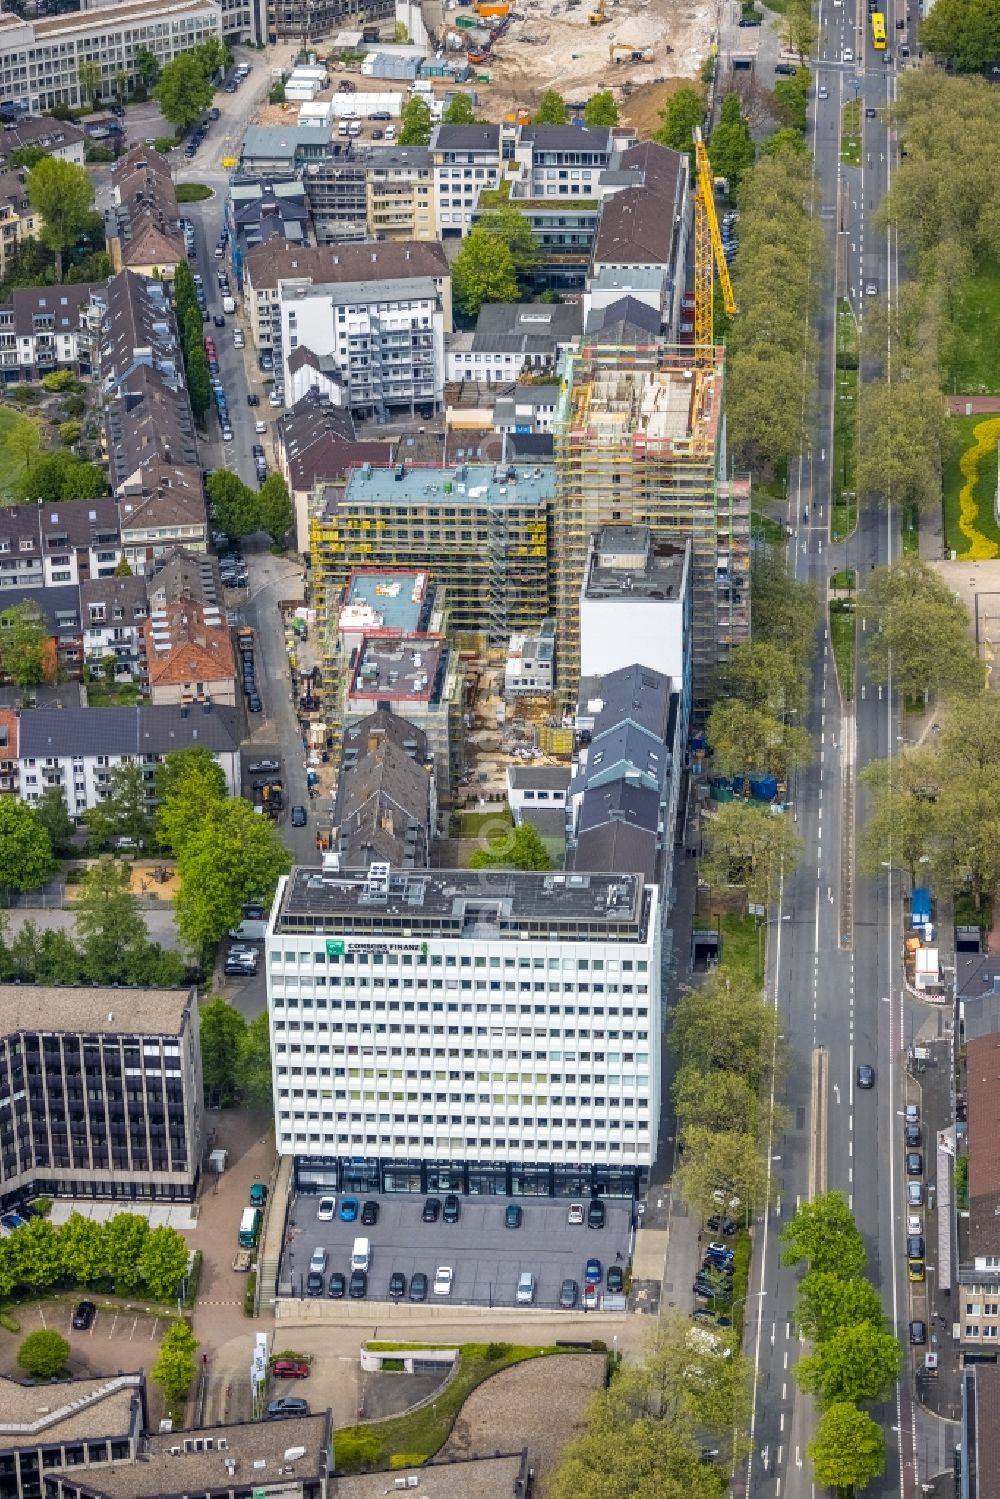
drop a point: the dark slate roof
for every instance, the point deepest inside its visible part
(128, 594)
(627, 749)
(635, 229)
(533, 445)
(627, 315)
(127, 731)
(983, 1090)
(987, 1431)
(466, 138)
(529, 327)
(539, 777)
(619, 848)
(385, 725)
(63, 303)
(62, 600)
(662, 168)
(636, 694)
(569, 137)
(620, 802)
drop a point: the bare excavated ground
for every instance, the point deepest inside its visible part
(555, 46)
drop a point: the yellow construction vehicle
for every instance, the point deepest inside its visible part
(709, 258)
(597, 16)
(618, 52)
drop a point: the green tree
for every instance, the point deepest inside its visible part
(34, 1252)
(62, 194)
(684, 111)
(57, 960)
(81, 1249)
(824, 1234)
(163, 1262)
(88, 77)
(109, 926)
(211, 56)
(516, 848)
(483, 271)
(720, 1161)
(43, 1354)
(791, 100)
(223, 1032)
(551, 109)
(826, 1303)
(859, 1362)
(459, 111)
(275, 511)
(798, 29)
(183, 91)
(24, 438)
(751, 847)
(730, 146)
(59, 476)
(25, 157)
(966, 32)
(147, 67)
(764, 676)
(785, 612)
(234, 503)
(601, 109)
(400, 34)
(51, 812)
(727, 1026)
(69, 432)
(716, 1100)
(255, 1065)
(185, 296)
(125, 1238)
(174, 1368)
(510, 227)
(123, 812)
(784, 140)
(849, 1450)
(232, 858)
(27, 652)
(921, 629)
(25, 850)
(199, 379)
(193, 772)
(415, 122)
(747, 740)
(122, 570)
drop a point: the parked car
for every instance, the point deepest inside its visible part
(914, 1163)
(348, 1209)
(290, 1368)
(256, 766)
(338, 1285)
(569, 1292)
(288, 1405)
(918, 1332)
(616, 1279)
(512, 1216)
(431, 1210)
(444, 1277)
(525, 1292)
(594, 1273)
(326, 1209)
(299, 818)
(575, 1216)
(915, 1194)
(369, 1213)
(314, 1283)
(358, 1288)
(915, 1246)
(418, 1286)
(83, 1315)
(397, 1285)
(452, 1209)
(915, 1270)
(912, 1134)
(596, 1213)
(725, 1226)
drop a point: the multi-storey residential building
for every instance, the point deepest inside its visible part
(59, 138)
(160, 508)
(386, 807)
(635, 605)
(58, 610)
(420, 678)
(640, 440)
(973, 1265)
(18, 220)
(189, 654)
(484, 1032)
(47, 328)
(104, 1088)
(466, 161)
(42, 546)
(259, 211)
(113, 612)
(40, 60)
(400, 197)
(76, 749)
(143, 227)
(485, 528)
(644, 230)
(315, 442)
(509, 341)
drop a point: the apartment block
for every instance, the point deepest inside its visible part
(640, 440)
(399, 193)
(40, 60)
(486, 528)
(76, 749)
(44, 546)
(46, 328)
(59, 138)
(466, 160)
(511, 340)
(143, 226)
(476, 1031)
(386, 802)
(105, 1092)
(114, 611)
(18, 220)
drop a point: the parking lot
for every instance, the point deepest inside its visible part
(487, 1258)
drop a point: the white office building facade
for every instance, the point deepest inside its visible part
(487, 1033)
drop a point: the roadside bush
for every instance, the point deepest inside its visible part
(406, 1459)
(193, 1279)
(305, 1358)
(9, 1323)
(392, 1366)
(43, 1354)
(356, 1449)
(496, 1351)
(250, 1294)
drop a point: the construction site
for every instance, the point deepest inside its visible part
(579, 46)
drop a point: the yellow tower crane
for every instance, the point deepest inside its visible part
(709, 257)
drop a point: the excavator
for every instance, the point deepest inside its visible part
(597, 16)
(618, 52)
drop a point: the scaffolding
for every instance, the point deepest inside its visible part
(640, 440)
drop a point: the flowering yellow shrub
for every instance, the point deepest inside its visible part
(987, 435)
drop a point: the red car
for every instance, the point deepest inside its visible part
(290, 1368)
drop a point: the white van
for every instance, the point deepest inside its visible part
(228, 304)
(361, 1255)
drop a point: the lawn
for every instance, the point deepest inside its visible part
(844, 516)
(844, 582)
(960, 439)
(968, 360)
(11, 466)
(473, 823)
(193, 192)
(742, 944)
(772, 531)
(850, 134)
(843, 634)
(417, 1435)
(106, 695)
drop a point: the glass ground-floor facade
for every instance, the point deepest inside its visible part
(362, 1174)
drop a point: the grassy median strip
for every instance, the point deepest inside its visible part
(844, 516)
(850, 134)
(418, 1434)
(843, 634)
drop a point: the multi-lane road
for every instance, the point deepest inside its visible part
(833, 950)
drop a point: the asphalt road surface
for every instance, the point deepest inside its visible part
(834, 961)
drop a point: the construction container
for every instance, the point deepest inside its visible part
(553, 739)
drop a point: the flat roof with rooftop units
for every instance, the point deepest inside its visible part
(471, 483)
(499, 1477)
(386, 905)
(399, 669)
(395, 600)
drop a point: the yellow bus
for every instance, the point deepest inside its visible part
(878, 31)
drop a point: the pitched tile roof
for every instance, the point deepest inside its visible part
(50, 135)
(149, 730)
(381, 260)
(185, 644)
(983, 1088)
